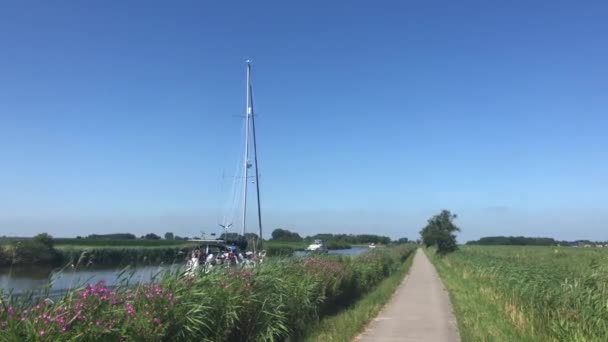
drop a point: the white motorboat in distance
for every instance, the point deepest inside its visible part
(317, 247)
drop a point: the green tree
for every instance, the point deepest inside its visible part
(152, 236)
(45, 239)
(169, 236)
(441, 231)
(285, 235)
(251, 236)
(235, 239)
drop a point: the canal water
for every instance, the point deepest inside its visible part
(346, 252)
(25, 279)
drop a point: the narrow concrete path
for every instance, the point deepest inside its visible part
(420, 309)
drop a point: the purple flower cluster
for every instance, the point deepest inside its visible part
(96, 308)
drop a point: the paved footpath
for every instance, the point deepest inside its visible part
(420, 309)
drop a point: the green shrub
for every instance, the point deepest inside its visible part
(5, 256)
(30, 252)
(279, 251)
(106, 242)
(123, 256)
(337, 244)
(45, 239)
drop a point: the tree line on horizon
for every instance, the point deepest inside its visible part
(278, 234)
(530, 241)
(129, 236)
(281, 234)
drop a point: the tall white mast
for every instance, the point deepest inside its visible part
(255, 158)
(247, 163)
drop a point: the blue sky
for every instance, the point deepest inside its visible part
(123, 116)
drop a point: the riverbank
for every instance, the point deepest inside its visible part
(77, 256)
(98, 252)
(275, 300)
(44, 250)
(37, 279)
(346, 324)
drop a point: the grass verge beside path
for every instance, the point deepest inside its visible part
(480, 314)
(346, 324)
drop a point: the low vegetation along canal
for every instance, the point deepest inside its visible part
(24, 279)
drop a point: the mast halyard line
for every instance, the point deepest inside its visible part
(246, 161)
(255, 157)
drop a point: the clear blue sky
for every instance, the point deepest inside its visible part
(123, 115)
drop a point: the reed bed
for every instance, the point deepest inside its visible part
(546, 293)
(274, 301)
(120, 255)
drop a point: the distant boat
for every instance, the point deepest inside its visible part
(317, 247)
(372, 245)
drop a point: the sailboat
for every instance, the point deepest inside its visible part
(249, 168)
(250, 135)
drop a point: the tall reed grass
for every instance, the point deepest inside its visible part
(547, 293)
(274, 301)
(123, 255)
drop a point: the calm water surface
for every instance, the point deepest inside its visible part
(23, 279)
(349, 252)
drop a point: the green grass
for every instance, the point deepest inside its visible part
(502, 293)
(122, 255)
(346, 324)
(97, 247)
(63, 242)
(480, 317)
(96, 252)
(295, 245)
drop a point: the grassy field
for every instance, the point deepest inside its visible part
(80, 243)
(93, 252)
(66, 242)
(295, 245)
(505, 293)
(118, 246)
